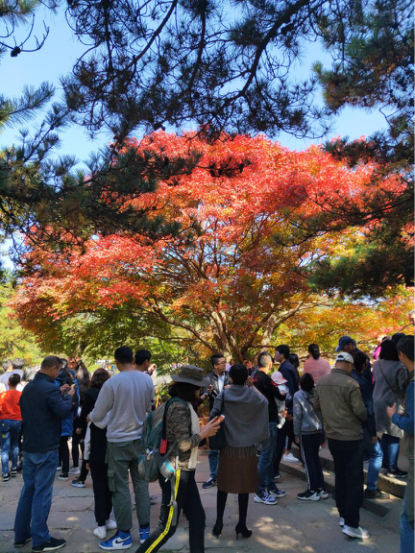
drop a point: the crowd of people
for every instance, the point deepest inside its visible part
(257, 413)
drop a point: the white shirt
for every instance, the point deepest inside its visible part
(221, 382)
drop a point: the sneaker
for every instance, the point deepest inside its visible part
(376, 494)
(121, 540)
(341, 522)
(63, 476)
(144, 534)
(277, 493)
(265, 498)
(358, 533)
(100, 532)
(277, 476)
(52, 545)
(20, 544)
(75, 470)
(153, 499)
(290, 458)
(111, 524)
(59, 468)
(398, 473)
(308, 495)
(209, 483)
(78, 483)
(5, 477)
(13, 472)
(323, 494)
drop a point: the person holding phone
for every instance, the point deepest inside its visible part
(43, 407)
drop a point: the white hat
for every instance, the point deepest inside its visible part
(278, 378)
(345, 357)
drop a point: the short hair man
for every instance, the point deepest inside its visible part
(142, 360)
(267, 490)
(339, 399)
(127, 396)
(43, 407)
(406, 423)
(219, 379)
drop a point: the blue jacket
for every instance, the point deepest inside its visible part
(67, 423)
(43, 409)
(366, 389)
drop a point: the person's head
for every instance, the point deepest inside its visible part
(282, 353)
(293, 359)
(347, 344)
(14, 380)
(142, 360)
(7, 366)
(18, 364)
(314, 351)
(360, 361)
(187, 383)
(123, 357)
(238, 374)
(388, 351)
(99, 378)
(307, 382)
(406, 352)
(51, 365)
(248, 364)
(345, 362)
(264, 361)
(218, 362)
(82, 374)
(396, 337)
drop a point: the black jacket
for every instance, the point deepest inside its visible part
(98, 435)
(214, 380)
(288, 372)
(43, 409)
(269, 389)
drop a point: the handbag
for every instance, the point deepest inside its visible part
(218, 441)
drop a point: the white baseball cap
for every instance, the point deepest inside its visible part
(345, 357)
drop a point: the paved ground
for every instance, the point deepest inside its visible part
(290, 526)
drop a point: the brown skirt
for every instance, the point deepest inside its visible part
(237, 474)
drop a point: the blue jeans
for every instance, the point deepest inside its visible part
(10, 434)
(266, 462)
(213, 462)
(32, 513)
(390, 448)
(375, 454)
(407, 529)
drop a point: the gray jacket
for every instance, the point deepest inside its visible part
(306, 419)
(390, 377)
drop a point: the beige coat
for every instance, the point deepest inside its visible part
(339, 399)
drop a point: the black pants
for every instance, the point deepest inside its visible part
(102, 494)
(279, 451)
(289, 432)
(76, 442)
(64, 454)
(188, 498)
(310, 445)
(348, 470)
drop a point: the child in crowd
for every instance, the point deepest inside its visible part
(11, 424)
(308, 431)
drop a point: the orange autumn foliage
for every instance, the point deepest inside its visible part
(224, 279)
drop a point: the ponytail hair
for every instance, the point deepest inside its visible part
(314, 350)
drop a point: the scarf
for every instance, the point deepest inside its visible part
(246, 421)
(195, 430)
